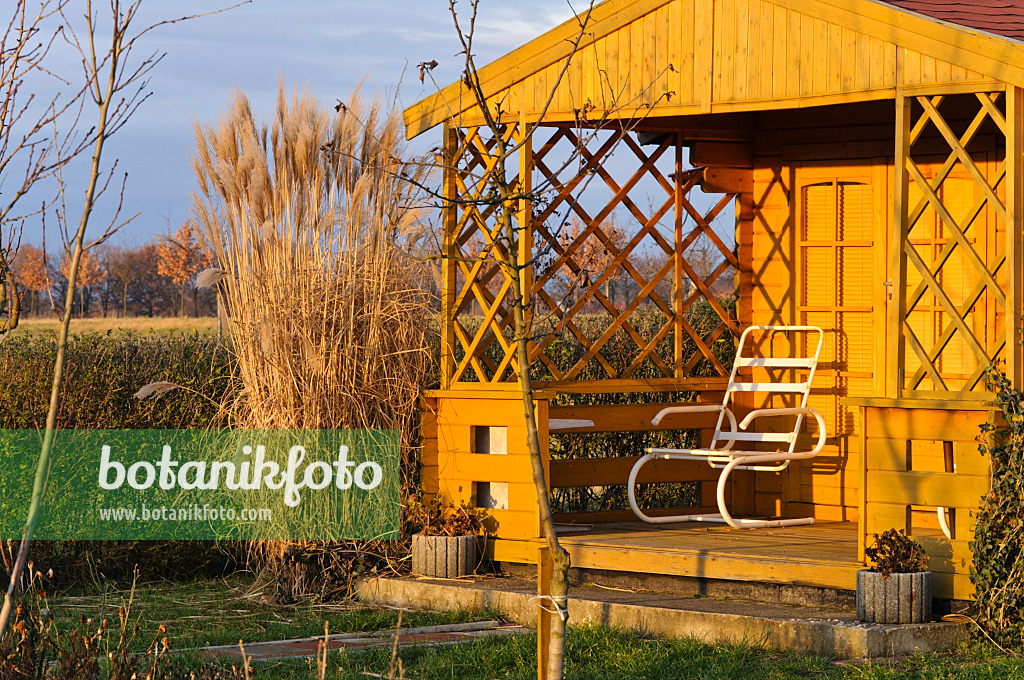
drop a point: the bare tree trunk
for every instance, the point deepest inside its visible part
(43, 466)
(559, 589)
(559, 557)
(103, 86)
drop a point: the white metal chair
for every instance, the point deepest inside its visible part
(720, 453)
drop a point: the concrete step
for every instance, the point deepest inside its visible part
(831, 631)
(356, 642)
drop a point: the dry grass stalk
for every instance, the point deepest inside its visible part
(309, 218)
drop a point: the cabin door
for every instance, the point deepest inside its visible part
(840, 269)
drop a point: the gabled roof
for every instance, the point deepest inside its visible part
(680, 57)
(999, 17)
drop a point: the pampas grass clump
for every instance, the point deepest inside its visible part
(309, 219)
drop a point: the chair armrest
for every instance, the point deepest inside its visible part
(702, 408)
(792, 412)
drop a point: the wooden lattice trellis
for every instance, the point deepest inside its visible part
(953, 313)
(479, 348)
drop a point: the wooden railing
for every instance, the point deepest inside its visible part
(922, 456)
(474, 452)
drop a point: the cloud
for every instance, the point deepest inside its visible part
(331, 45)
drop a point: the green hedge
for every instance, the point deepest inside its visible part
(102, 374)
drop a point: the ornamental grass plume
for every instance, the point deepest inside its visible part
(309, 220)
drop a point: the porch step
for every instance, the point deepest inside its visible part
(700, 587)
(829, 631)
(823, 555)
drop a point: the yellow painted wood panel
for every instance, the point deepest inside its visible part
(780, 46)
(926, 424)
(881, 517)
(482, 411)
(715, 566)
(505, 550)
(925, 456)
(607, 471)
(957, 586)
(822, 513)
(794, 61)
(811, 48)
(634, 417)
(820, 494)
(513, 524)
(969, 460)
(746, 34)
(522, 496)
(926, 488)
(809, 56)
(676, 79)
(483, 467)
(610, 82)
(767, 46)
(609, 516)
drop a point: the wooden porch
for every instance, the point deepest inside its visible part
(887, 211)
(822, 555)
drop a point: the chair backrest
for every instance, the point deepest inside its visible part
(797, 361)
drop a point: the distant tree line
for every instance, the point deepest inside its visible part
(154, 279)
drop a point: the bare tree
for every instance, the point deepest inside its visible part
(33, 147)
(116, 87)
(124, 264)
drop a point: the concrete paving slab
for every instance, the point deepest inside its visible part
(357, 642)
(830, 631)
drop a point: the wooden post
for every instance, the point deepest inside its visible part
(1014, 228)
(898, 275)
(544, 607)
(862, 490)
(449, 250)
(524, 216)
(677, 270)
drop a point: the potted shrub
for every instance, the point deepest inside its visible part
(445, 542)
(898, 588)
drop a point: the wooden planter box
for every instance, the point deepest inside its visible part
(444, 556)
(896, 598)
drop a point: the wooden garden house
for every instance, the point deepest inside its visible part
(866, 157)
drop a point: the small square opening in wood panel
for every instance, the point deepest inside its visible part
(490, 439)
(492, 495)
(927, 521)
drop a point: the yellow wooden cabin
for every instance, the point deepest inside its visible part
(872, 155)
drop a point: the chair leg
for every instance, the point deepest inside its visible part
(750, 523)
(631, 495)
(724, 515)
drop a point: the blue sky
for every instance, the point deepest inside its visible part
(331, 46)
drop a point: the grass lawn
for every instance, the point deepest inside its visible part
(205, 325)
(217, 612)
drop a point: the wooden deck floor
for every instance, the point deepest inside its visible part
(822, 554)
